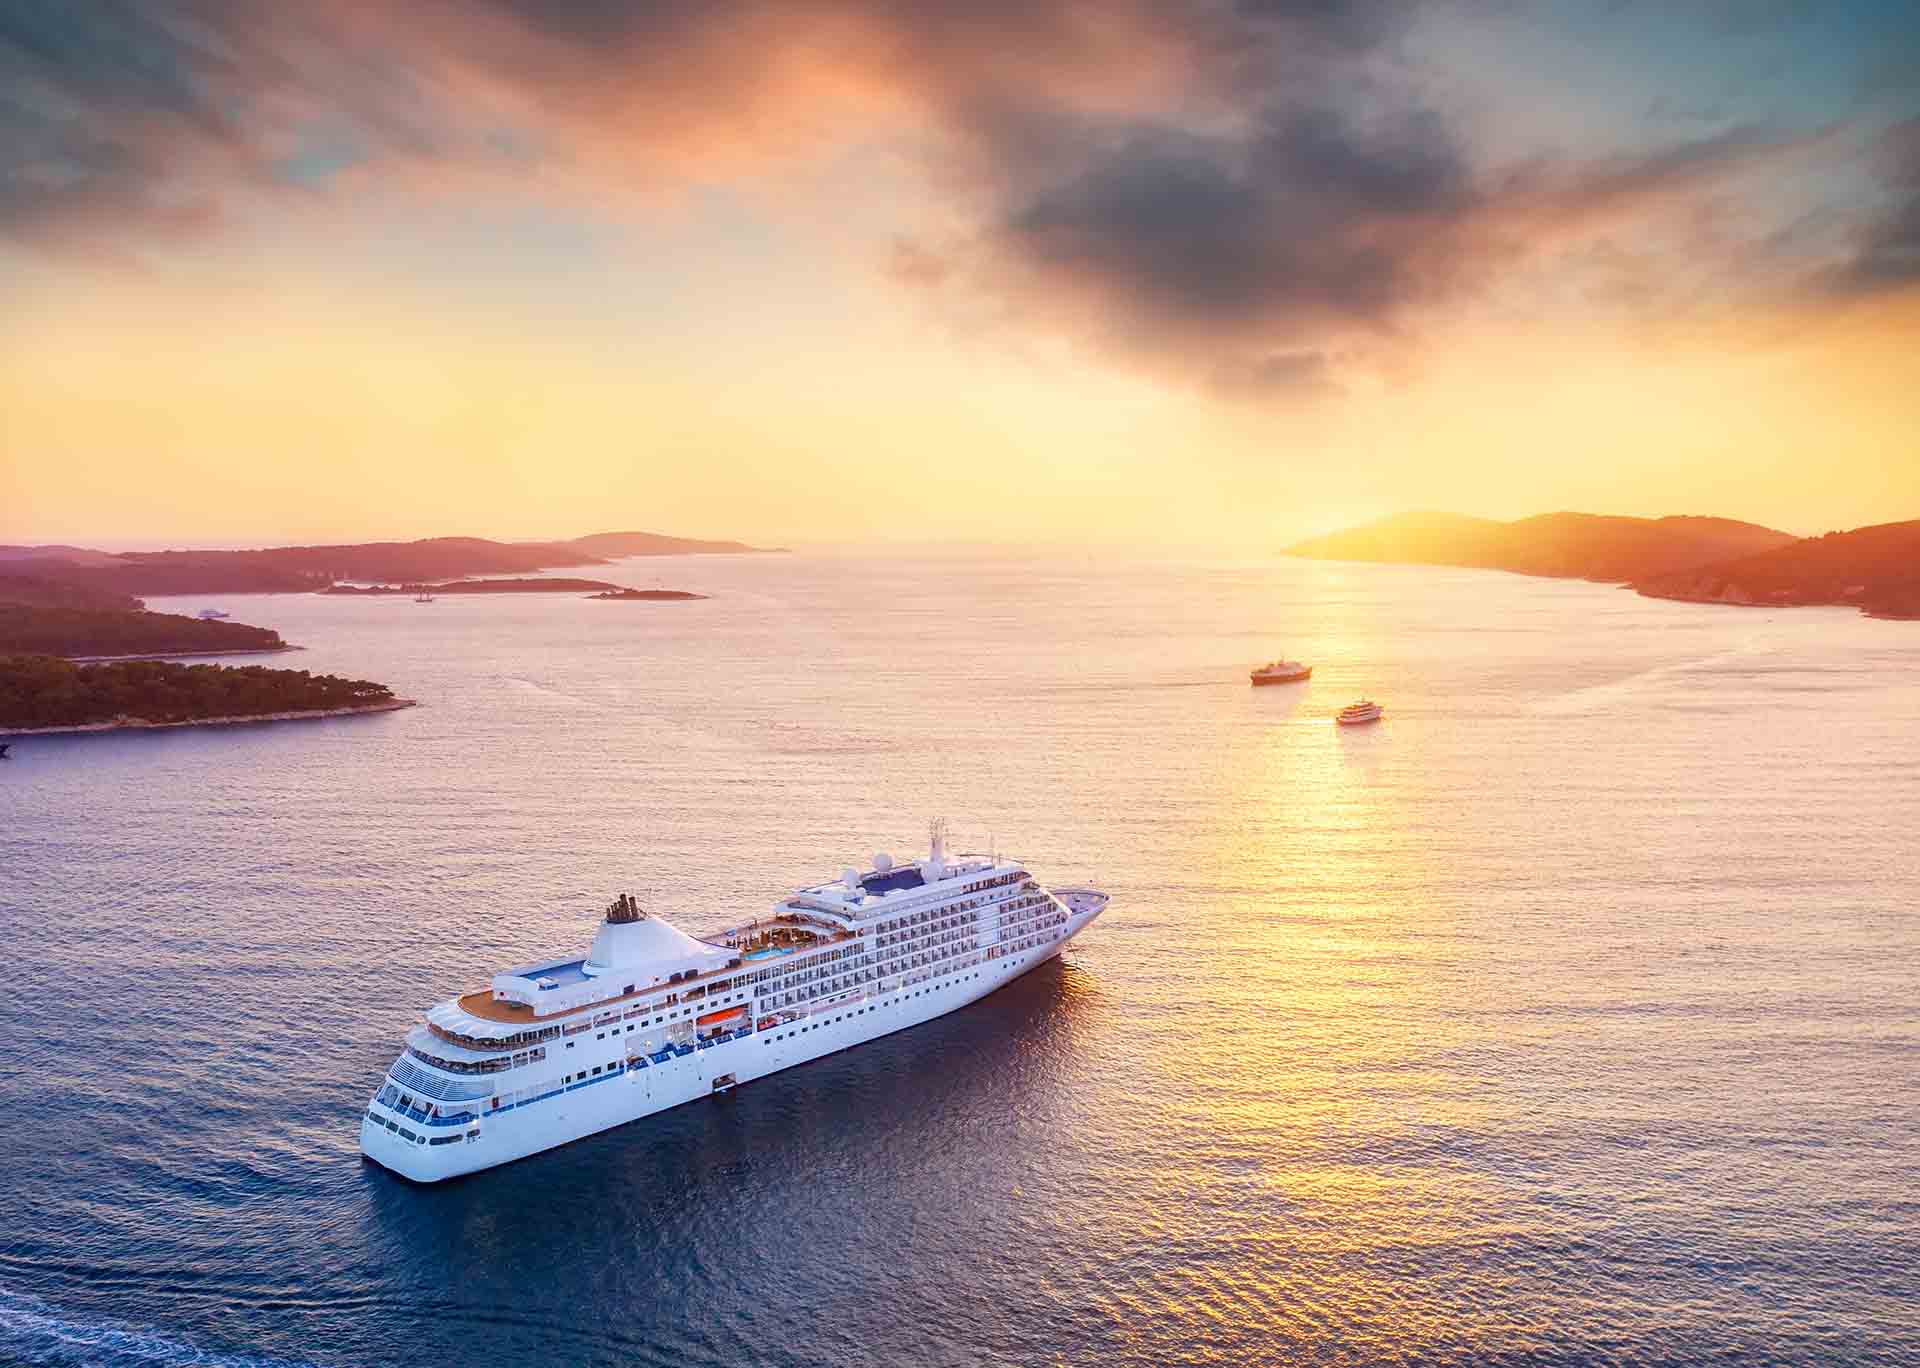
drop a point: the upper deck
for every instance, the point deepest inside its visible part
(637, 959)
(856, 898)
(777, 937)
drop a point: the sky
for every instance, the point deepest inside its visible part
(1180, 274)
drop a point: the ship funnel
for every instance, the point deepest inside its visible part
(624, 909)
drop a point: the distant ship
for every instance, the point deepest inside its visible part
(651, 1017)
(1281, 672)
(211, 614)
(423, 598)
(1361, 713)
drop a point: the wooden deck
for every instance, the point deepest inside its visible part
(483, 1005)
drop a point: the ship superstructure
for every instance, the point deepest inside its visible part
(652, 1017)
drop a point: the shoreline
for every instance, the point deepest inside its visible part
(181, 655)
(1716, 601)
(646, 596)
(139, 724)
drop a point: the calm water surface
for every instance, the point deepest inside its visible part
(1571, 1015)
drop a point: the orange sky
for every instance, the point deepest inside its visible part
(868, 290)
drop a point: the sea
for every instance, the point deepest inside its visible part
(1570, 1015)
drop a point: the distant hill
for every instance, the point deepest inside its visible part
(313, 567)
(1876, 569)
(653, 544)
(79, 555)
(184, 572)
(1564, 545)
(302, 569)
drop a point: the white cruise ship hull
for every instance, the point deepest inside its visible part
(640, 1091)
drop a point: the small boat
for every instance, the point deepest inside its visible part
(1361, 713)
(423, 598)
(5, 746)
(1281, 672)
(211, 614)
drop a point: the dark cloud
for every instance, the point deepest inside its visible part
(1239, 258)
(1306, 218)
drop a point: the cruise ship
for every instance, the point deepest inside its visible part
(652, 1017)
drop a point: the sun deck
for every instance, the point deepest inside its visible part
(777, 938)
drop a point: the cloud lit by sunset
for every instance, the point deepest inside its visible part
(1183, 274)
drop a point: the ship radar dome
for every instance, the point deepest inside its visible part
(883, 862)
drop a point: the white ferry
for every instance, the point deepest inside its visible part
(652, 1017)
(1361, 713)
(1280, 672)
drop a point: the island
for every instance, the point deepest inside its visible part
(50, 617)
(1699, 560)
(44, 694)
(646, 596)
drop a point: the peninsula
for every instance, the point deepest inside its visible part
(1700, 560)
(49, 617)
(43, 694)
